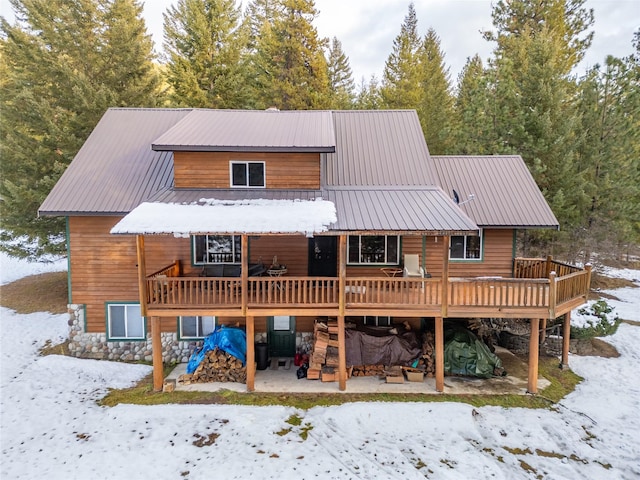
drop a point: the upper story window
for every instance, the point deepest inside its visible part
(216, 249)
(125, 322)
(466, 247)
(247, 174)
(373, 249)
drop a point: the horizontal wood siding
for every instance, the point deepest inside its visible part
(292, 251)
(211, 169)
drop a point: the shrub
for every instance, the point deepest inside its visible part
(597, 319)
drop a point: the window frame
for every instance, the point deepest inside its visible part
(386, 251)
(246, 163)
(376, 320)
(236, 250)
(182, 336)
(111, 338)
(480, 256)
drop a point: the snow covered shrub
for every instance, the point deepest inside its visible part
(597, 319)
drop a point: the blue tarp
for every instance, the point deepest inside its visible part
(228, 339)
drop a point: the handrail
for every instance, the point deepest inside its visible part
(172, 270)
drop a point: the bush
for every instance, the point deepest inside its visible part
(597, 319)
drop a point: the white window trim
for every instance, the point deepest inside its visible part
(246, 164)
(465, 259)
(386, 240)
(126, 337)
(181, 336)
(200, 261)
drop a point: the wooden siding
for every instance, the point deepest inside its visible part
(282, 170)
(291, 251)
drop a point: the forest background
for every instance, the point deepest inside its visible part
(62, 64)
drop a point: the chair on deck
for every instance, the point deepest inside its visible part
(412, 266)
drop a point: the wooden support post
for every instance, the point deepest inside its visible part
(549, 266)
(439, 354)
(342, 353)
(244, 271)
(156, 348)
(532, 383)
(251, 354)
(445, 277)
(543, 331)
(553, 295)
(142, 275)
(566, 338)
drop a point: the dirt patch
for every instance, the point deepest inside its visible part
(46, 292)
(600, 282)
(603, 349)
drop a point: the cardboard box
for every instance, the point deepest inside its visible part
(394, 375)
(415, 375)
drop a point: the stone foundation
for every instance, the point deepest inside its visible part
(552, 345)
(96, 346)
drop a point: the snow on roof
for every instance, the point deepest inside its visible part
(229, 217)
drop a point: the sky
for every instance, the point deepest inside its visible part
(53, 428)
(367, 28)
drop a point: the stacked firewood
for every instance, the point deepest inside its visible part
(368, 370)
(427, 359)
(324, 353)
(216, 366)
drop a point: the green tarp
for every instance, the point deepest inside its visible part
(466, 354)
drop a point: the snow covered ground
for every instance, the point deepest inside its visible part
(52, 428)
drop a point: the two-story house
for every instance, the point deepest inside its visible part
(176, 218)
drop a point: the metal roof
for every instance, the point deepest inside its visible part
(170, 195)
(251, 131)
(505, 193)
(379, 147)
(417, 210)
(116, 170)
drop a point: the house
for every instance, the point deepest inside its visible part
(182, 219)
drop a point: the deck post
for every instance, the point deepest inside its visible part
(244, 271)
(342, 274)
(532, 383)
(156, 348)
(439, 354)
(142, 274)
(543, 331)
(566, 339)
(549, 265)
(251, 354)
(445, 277)
(553, 290)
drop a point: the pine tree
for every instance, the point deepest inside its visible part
(340, 78)
(64, 64)
(204, 41)
(401, 77)
(435, 108)
(369, 97)
(289, 67)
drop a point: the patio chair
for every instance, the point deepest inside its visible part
(412, 266)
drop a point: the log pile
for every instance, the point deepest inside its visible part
(368, 371)
(324, 352)
(427, 359)
(216, 366)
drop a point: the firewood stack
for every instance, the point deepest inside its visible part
(427, 360)
(216, 366)
(368, 370)
(325, 348)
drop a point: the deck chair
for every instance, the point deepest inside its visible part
(412, 266)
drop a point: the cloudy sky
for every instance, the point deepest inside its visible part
(367, 28)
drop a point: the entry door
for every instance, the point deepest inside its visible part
(282, 336)
(323, 257)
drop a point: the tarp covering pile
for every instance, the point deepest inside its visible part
(228, 339)
(466, 354)
(365, 349)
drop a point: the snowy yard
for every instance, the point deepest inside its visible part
(51, 426)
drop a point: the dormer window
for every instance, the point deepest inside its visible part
(247, 174)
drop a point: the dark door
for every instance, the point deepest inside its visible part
(282, 336)
(323, 257)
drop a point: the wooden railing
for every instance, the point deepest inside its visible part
(573, 285)
(194, 291)
(393, 292)
(541, 268)
(498, 292)
(293, 291)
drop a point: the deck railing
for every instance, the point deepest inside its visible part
(555, 293)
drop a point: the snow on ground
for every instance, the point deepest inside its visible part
(51, 426)
(11, 269)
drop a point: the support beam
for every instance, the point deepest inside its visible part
(445, 277)
(251, 354)
(342, 275)
(244, 271)
(156, 347)
(532, 383)
(142, 274)
(543, 331)
(566, 338)
(439, 354)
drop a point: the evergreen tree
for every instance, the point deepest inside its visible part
(401, 77)
(289, 67)
(64, 63)
(340, 78)
(203, 41)
(435, 108)
(369, 97)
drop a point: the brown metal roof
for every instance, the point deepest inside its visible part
(251, 131)
(505, 193)
(170, 195)
(379, 147)
(418, 210)
(116, 170)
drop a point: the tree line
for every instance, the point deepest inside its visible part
(62, 64)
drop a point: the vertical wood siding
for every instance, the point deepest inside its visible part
(282, 170)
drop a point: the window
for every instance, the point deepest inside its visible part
(373, 249)
(216, 249)
(195, 327)
(124, 322)
(247, 174)
(467, 247)
(378, 321)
